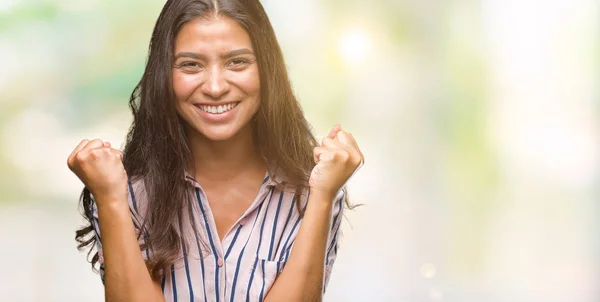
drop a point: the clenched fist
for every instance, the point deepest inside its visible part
(100, 168)
(336, 160)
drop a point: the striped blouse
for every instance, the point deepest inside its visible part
(242, 267)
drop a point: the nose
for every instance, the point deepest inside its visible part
(215, 86)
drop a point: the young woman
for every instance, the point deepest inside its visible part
(221, 193)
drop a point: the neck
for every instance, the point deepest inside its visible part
(224, 160)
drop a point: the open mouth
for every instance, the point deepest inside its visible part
(217, 109)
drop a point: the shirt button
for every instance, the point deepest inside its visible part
(243, 221)
(220, 262)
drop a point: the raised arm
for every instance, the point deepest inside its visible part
(126, 277)
(303, 277)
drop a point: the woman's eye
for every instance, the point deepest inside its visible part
(237, 62)
(189, 65)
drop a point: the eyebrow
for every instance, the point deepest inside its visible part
(233, 53)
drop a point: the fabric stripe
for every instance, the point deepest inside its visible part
(287, 221)
(187, 272)
(251, 279)
(262, 290)
(201, 260)
(173, 283)
(132, 197)
(237, 232)
(262, 226)
(134, 202)
(287, 254)
(212, 245)
(331, 245)
(275, 226)
(337, 215)
(337, 221)
(237, 271)
(289, 248)
(187, 267)
(102, 273)
(237, 268)
(285, 246)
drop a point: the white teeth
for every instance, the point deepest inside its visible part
(218, 109)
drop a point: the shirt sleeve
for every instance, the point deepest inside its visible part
(95, 224)
(137, 222)
(334, 235)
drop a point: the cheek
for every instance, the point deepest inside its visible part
(183, 85)
(250, 82)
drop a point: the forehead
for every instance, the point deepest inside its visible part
(212, 34)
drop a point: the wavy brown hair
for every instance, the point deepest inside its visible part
(156, 149)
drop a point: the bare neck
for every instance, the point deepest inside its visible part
(223, 161)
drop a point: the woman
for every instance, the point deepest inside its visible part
(221, 193)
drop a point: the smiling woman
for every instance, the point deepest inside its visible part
(222, 192)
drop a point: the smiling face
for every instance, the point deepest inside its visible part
(215, 77)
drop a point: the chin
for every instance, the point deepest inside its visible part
(217, 133)
(217, 136)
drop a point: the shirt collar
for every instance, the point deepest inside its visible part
(268, 180)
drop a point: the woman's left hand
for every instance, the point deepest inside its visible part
(336, 160)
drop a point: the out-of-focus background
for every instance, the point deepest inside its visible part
(479, 121)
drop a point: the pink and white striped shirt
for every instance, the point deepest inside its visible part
(242, 267)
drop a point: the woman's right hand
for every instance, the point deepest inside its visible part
(100, 168)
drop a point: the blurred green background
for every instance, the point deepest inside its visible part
(479, 121)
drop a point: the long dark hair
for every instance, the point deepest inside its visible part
(156, 150)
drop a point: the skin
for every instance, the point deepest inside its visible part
(215, 64)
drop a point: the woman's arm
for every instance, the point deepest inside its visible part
(302, 277)
(336, 160)
(126, 277)
(100, 168)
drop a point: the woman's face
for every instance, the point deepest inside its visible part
(215, 77)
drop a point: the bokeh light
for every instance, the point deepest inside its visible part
(354, 46)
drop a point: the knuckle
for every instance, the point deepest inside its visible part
(343, 155)
(98, 153)
(79, 157)
(94, 153)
